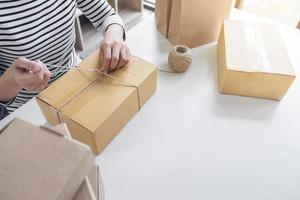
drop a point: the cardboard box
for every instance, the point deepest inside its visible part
(118, 5)
(40, 163)
(239, 4)
(95, 108)
(253, 61)
(92, 187)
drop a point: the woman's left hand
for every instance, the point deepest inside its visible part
(114, 52)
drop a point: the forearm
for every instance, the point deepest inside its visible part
(116, 30)
(8, 87)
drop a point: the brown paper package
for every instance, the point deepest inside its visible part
(91, 188)
(38, 163)
(253, 61)
(191, 22)
(96, 108)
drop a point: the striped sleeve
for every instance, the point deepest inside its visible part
(100, 13)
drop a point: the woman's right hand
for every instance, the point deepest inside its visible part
(30, 75)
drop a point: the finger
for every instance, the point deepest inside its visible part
(39, 77)
(40, 86)
(27, 65)
(46, 72)
(34, 78)
(47, 77)
(115, 57)
(106, 55)
(129, 57)
(123, 58)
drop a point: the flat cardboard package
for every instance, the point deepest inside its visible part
(39, 163)
(253, 60)
(95, 108)
(92, 187)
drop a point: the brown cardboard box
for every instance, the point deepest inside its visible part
(91, 188)
(239, 4)
(39, 163)
(118, 5)
(253, 61)
(96, 108)
(191, 23)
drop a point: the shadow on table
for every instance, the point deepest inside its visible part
(244, 107)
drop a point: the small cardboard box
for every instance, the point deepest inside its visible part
(253, 61)
(39, 163)
(95, 108)
(92, 187)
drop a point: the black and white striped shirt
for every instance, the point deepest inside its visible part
(44, 30)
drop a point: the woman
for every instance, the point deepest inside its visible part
(38, 35)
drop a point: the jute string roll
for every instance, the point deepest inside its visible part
(180, 58)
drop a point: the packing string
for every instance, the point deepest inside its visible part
(179, 59)
(102, 74)
(79, 93)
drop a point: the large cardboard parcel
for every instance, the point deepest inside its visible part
(39, 163)
(253, 60)
(191, 22)
(95, 108)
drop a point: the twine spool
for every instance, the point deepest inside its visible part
(180, 58)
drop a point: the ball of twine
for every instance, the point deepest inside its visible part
(180, 58)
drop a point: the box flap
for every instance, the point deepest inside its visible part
(85, 192)
(256, 47)
(37, 164)
(63, 129)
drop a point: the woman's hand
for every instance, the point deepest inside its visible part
(114, 53)
(30, 75)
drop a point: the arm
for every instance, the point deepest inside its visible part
(8, 86)
(23, 73)
(114, 52)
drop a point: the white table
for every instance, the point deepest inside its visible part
(190, 142)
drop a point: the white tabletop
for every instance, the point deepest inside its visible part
(190, 142)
